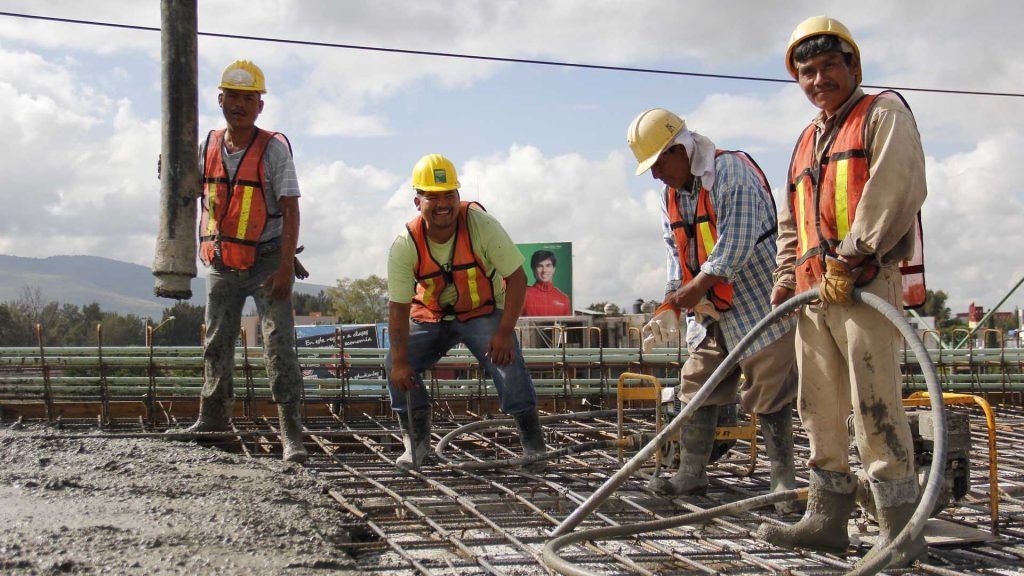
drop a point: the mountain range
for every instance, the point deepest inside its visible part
(116, 286)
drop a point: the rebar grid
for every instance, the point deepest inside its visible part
(446, 521)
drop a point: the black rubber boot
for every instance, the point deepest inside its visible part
(416, 438)
(823, 527)
(291, 433)
(695, 443)
(214, 416)
(532, 438)
(777, 429)
(895, 503)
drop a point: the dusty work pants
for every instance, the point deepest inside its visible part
(226, 293)
(848, 360)
(769, 374)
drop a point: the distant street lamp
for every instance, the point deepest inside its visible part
(150, 329)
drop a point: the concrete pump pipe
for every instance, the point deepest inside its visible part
(874, 563)
(175, 263)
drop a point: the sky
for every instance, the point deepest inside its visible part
(542, 147)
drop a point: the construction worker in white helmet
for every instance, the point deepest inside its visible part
(455, 276)
(854, 193)
(718, 221)
(248, 233)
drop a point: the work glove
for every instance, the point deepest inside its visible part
(661, 330)
(300, 271)
(837, 285)
(705, 309)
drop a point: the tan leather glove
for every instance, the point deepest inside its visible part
(837, 285)
(706, 309)
(662, 330)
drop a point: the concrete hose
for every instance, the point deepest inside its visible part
(913, 528)
(502, 423)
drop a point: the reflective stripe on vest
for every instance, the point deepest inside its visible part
(474, 288)
(234, 210)
(705, 229)
(823, 199)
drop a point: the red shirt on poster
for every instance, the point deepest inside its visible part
(544, 299)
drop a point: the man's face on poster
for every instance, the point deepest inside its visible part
(544, 271)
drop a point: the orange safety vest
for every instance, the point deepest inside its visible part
(474, 287)
(705, 231)
(234, 210)
(823, 200)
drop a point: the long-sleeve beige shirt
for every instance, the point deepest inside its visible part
(883, 225)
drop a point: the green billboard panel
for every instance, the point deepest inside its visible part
(548, 269)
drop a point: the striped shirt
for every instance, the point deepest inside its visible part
(744, 212)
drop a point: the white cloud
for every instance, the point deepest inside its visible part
(772, 119)
(79, 160)
(351, 215)
(974, 222)
(348, 222)
(616, 234)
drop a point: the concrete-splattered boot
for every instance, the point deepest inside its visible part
(696, 440)
(830, 500)
(895, 502)
(532, 438)
(777, 429)
(214, 416)
(416, 438)
(291, 433)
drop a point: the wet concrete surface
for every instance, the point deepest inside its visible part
(152, 506)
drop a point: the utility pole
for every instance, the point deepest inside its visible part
(175, 263)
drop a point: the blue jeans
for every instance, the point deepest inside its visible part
(430, 341)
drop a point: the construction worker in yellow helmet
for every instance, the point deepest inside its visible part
(854, 194)
(718, 223)
(249, 228)
(455, 276)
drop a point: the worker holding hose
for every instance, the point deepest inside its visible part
(719, 227)
(855, 189)
(455, 276)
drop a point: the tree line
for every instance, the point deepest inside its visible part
(360, 301)
(353, 301)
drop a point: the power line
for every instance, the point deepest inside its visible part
(497, 58)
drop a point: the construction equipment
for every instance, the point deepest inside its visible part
(957, 475)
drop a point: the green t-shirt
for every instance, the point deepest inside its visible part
(490, 241)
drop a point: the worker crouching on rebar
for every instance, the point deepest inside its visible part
(856, 186)
(248, 233)
(719, 226)
(455, 276)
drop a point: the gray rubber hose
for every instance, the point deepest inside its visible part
(879, 561)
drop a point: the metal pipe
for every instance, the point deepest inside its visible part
(174, 265)
(562, 566)
(672, 429)
(874, 561)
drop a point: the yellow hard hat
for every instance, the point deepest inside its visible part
(650, 133)
(243, 75)
(815, 26)
(434, 173)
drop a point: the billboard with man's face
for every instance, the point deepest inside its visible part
(548, 269)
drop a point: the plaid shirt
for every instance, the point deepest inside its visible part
(744, 212)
